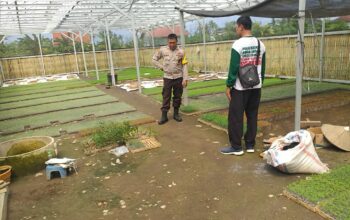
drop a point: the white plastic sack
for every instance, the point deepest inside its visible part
(119, 151)
(299, 159)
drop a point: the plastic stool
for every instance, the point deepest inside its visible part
(53, 168)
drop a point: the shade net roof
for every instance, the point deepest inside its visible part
(46, 16)
(281, 9)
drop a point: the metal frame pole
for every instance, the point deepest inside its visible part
(94, 53)
(75, 53)
(173, 23)
(2, 39)
(41, 56)
(110, 55)
(299, 64)
(2, 73)
(153, 45)
(1, 68)
(322, 50)
(83, 51)
(182, 34)
(205, 46)
(106, 46)
(136, 51)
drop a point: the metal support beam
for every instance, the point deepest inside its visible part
(173, 23)
(136, 51)
(2, 74)
(182, 34)
(2, 39)
(94, 53)
(322, 50)
(299, 64)
(41, 56)
(153, 46)
(204, 46)
(106, 46)
(75, 54)
(110, 55)
(83, 51)
(74, 49)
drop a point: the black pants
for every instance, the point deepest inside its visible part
(243, 101)
(172, 86)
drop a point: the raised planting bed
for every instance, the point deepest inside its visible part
(327, 194)
(282, 109)
(73, 127)
(27, 155)
(54, 107)
(54, 99)
(64, 116)
(213, 102)
(46, 94)
(126, 74)
(33, 90)
(40, 86)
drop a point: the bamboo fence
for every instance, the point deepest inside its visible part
(280, 58)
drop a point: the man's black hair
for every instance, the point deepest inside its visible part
(172, 37)
(245, 21)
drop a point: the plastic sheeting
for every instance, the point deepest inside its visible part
(283, 9)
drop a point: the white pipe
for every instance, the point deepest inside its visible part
(136, 51)
(41, 56)
(153, 46)
(83, 51)
(2, 39)
(106, 46)
(322, 50)
(2, 73)
(110, 55)
(182, 34)
(75, 54)
(299, 64)
(205, 47)
(94, 53)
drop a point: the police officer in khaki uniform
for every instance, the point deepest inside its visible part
(175, 70)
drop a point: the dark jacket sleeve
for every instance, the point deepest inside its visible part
(263, 63)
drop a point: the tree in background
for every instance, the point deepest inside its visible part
(28, 45)
(117, 41)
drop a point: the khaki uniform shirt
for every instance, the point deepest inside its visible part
(174, 62)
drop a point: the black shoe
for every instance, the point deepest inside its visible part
(164, 118)
(238, 151)
(177, 116)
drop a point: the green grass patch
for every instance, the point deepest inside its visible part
(126, 74)
(25, 147)
(191, 85)
(215, 118)
(189, 109)
(213, 87)
(112, 133)
(329, 191)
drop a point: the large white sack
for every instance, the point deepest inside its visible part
(299, 159)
